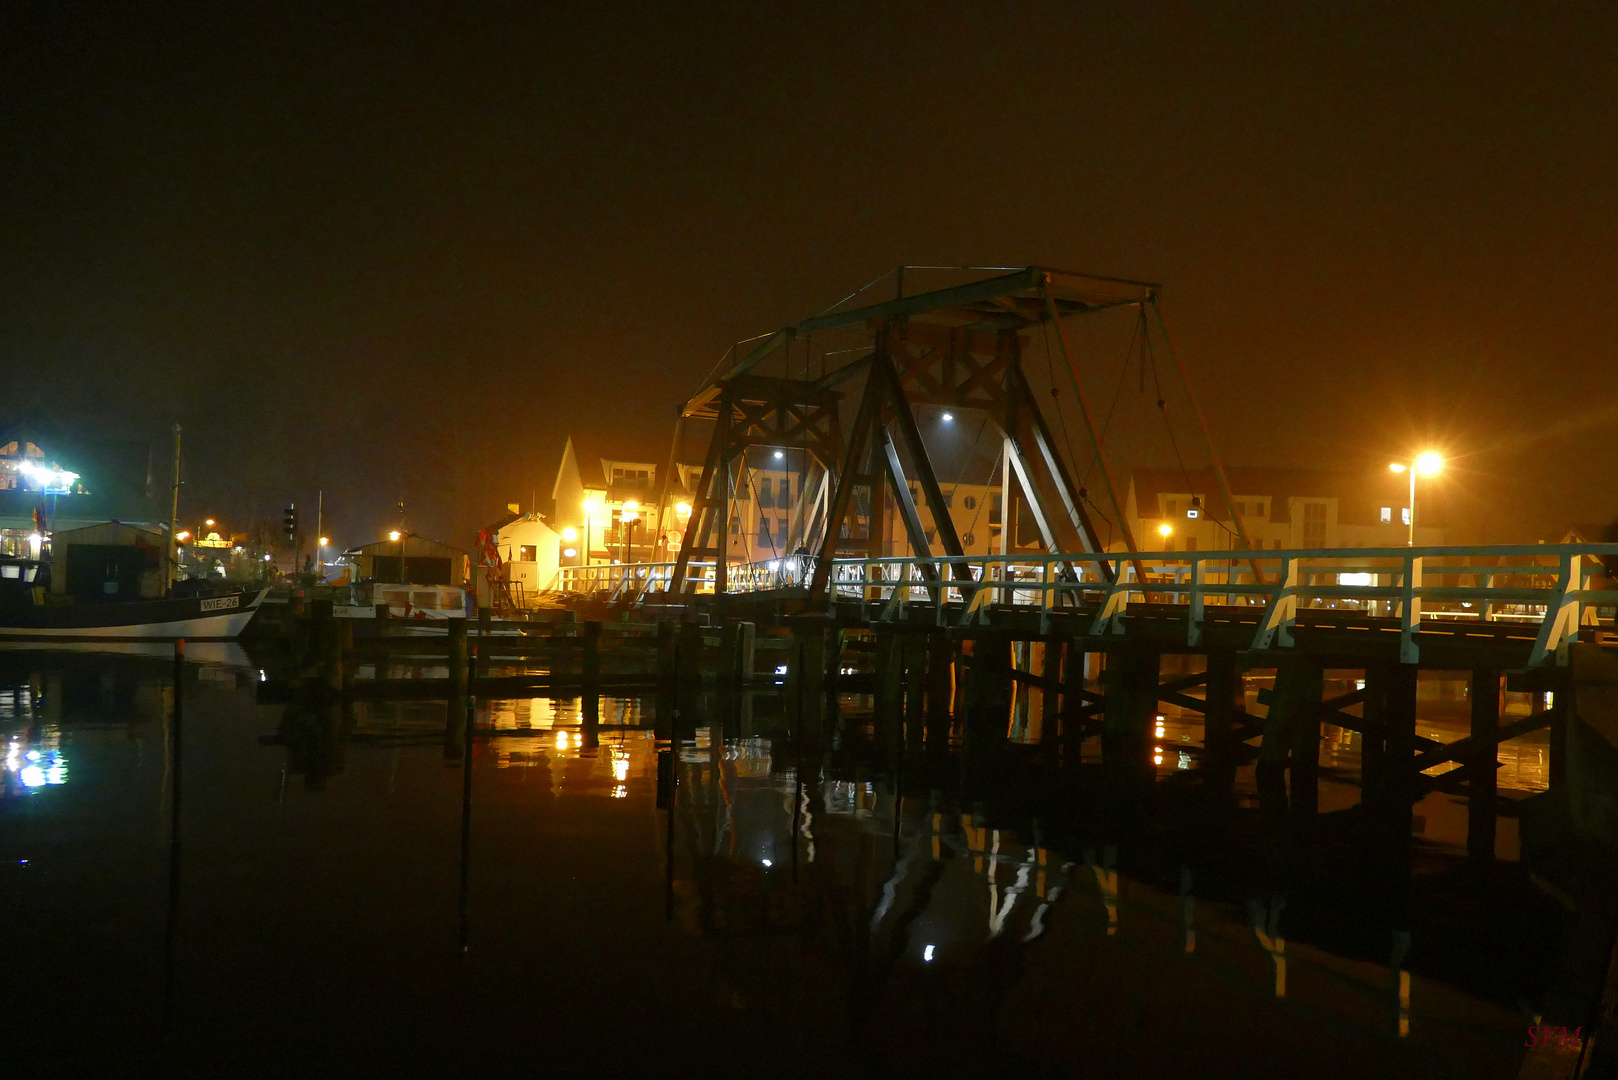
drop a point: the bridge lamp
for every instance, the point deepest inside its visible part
(948, 417)
(779, 454)
(208, 522)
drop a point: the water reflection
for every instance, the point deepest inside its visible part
(819, 901)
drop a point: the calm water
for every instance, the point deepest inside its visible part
(333, 906)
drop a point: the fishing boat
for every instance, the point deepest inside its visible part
(28, 611)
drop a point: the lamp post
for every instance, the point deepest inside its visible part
(1428, 464)
(590, 508)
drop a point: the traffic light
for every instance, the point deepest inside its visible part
(289, 522)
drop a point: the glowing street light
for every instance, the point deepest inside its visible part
(683, 509)
(1164, 530)
(570, 534)
(1428, 464)
(948, 417)
(395, 535)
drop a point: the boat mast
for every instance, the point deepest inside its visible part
(174, 514)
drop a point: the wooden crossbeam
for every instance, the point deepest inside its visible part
(1464, 747)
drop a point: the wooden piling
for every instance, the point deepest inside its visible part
(889, 705)
(940, 687)
(590, 633)
(914, 653)
(1050, 689)
(1482, 804)
(1224, 700)
(988, 689)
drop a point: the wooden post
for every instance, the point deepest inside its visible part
(689, 675)
(1225, 700)
(458, 654)
(1050, 690)
(742, 659)
(988, 688)
(915, 662)
(331, 647)
(667, 636)
(806, 680)
(940, 687)
(889, 682)
(591, 669)
(1482, 802)
(1131, 680)
(1074, 670)
(455, 745)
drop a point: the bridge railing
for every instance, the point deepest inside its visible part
(1545, 585)
(1542, 583)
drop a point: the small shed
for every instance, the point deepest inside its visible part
(110, 561)
(415, 560)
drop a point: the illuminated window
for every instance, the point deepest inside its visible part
(1404, 515)
(1387, 515)
(527, 553)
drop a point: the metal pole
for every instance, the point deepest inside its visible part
(1411, 542)
(174, 513)
(320, 531)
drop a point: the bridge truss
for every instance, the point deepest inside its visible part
(959, 349)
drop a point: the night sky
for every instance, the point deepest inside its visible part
(400, 248)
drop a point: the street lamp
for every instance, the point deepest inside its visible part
(1428, 464)
(320, 556)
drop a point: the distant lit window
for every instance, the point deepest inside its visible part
(1387, 515)
(527, 553)
(1404, 515)
(1314, 522)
